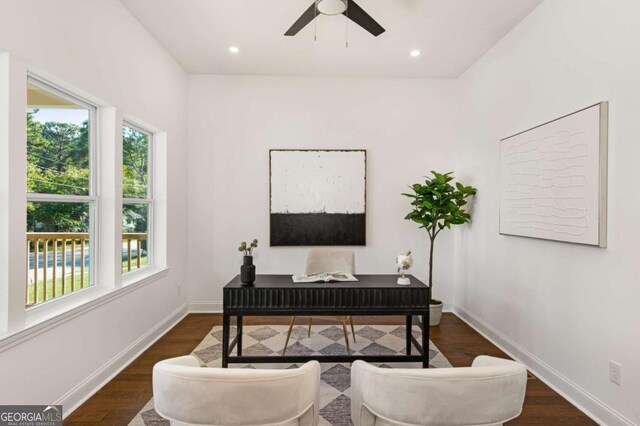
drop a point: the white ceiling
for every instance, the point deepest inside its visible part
(451, 34)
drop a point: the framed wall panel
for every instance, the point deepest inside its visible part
(317, 197)
(553, 179)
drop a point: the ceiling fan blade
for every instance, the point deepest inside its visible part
(362, 18)
(303, 20)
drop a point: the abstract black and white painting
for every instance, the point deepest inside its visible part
(318, 197)
(554, 179)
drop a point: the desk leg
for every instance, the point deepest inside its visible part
(409, 326)
(425, 340)
(225, 340)
(239, 326)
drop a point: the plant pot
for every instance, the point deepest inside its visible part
(435, 312)
(247, 271)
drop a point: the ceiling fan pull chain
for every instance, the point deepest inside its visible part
(347, 26)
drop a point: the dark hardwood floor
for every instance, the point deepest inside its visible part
(123, 397)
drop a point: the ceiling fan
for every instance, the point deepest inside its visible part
(349, 8)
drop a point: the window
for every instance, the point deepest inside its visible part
(83, 181)
(137, 194)
(61, 194)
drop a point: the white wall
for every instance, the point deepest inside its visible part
(98, 47)
(406, 126)
(566, 309)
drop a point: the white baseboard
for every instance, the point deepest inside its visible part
(205, 307)
(85, 389)
(585, 401)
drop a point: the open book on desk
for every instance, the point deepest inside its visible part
(325, 277)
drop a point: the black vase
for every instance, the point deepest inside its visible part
(247, 270)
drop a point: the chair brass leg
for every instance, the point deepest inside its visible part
(346, 338)
(353, 331)
(286, 342)
(310, 321)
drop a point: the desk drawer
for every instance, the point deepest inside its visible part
(326, 298)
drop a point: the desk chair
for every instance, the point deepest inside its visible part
(328, 260)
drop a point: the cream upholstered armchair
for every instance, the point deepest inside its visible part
(184, 393)
(322, 260)
(490, 392)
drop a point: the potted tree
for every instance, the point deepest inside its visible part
(437, 205)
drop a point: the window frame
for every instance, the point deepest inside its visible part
(149, 200)
(19, 322)
(92, 199)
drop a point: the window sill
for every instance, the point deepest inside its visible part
(42, 318)
(140, 275)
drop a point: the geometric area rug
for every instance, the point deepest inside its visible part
(335, 402)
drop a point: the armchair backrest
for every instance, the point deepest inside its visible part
(489, 392)
(330, 260)
(185, 393)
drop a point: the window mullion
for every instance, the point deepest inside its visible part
(136, 201)
(61, 198)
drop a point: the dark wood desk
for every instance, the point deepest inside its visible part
(371, 295)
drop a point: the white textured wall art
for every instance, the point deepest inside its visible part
(553, 179)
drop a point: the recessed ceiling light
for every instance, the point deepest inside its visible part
(415, 53)
(234, 49)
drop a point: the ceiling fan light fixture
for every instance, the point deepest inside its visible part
(331, 7)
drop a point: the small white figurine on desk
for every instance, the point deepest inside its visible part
(404, 263)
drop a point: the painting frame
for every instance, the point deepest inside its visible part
(275, 227)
